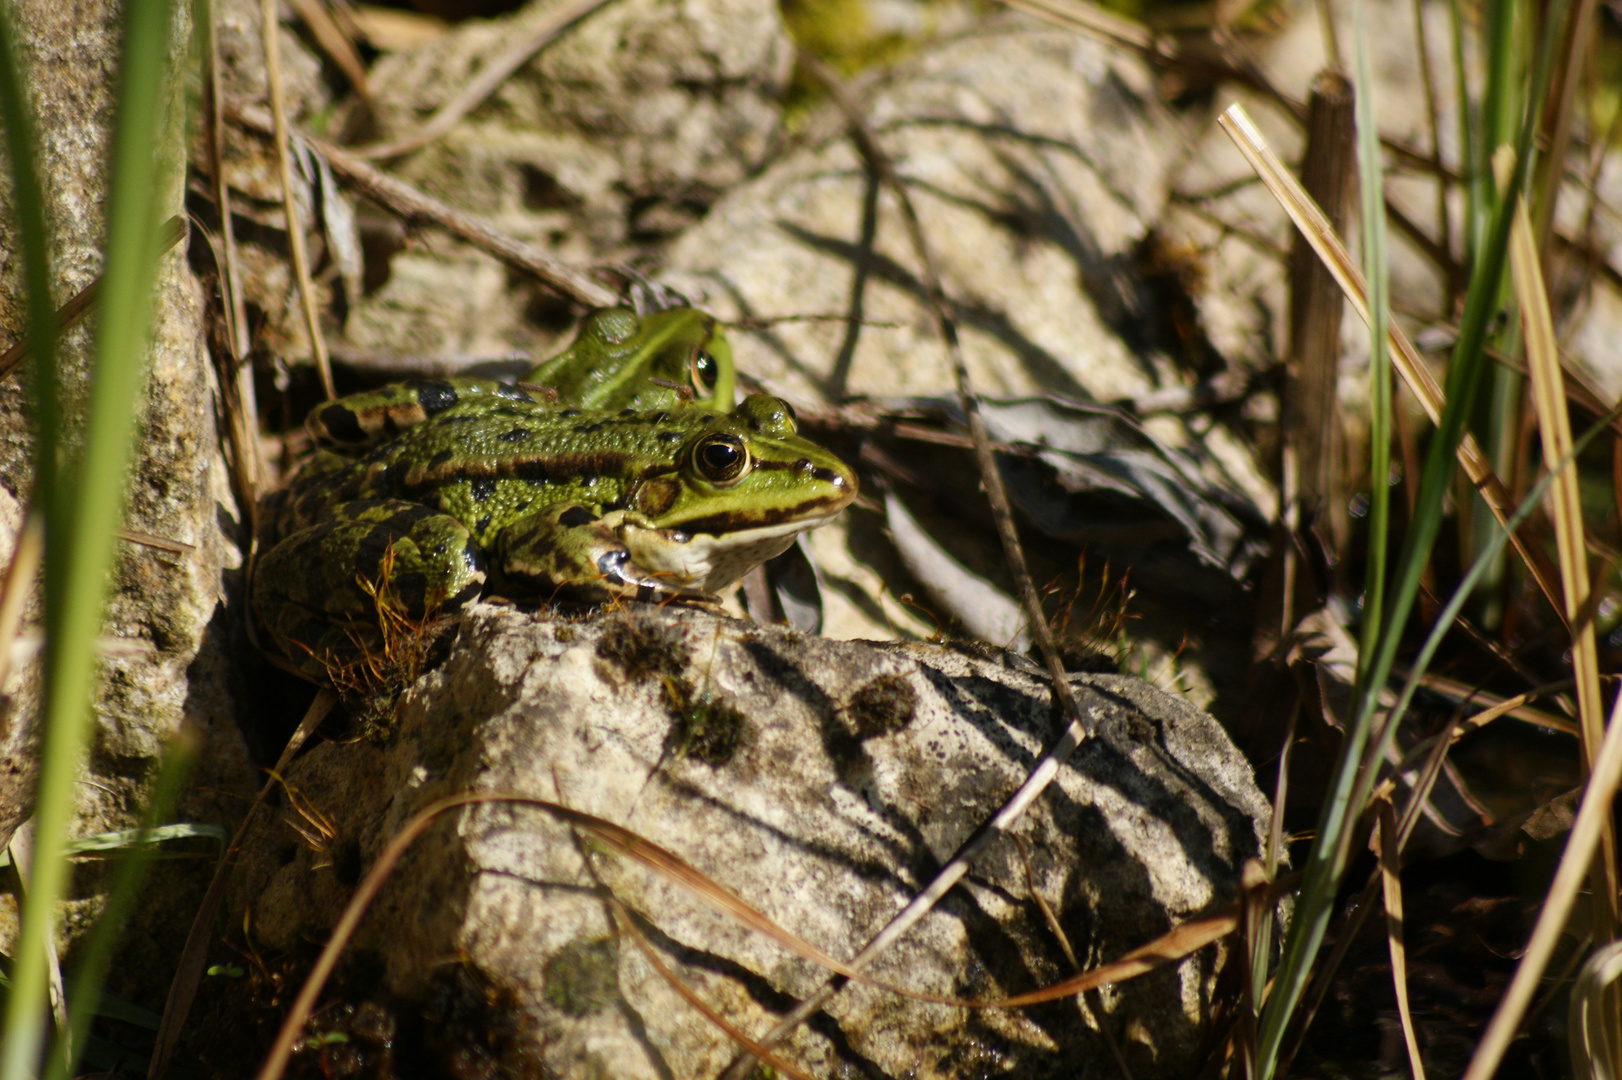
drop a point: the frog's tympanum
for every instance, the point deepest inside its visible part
(662, 360)
(527, 499)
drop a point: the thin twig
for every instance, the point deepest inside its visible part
(334, 42)
(395, 194)
(189, 971)
(485, 83)
(87, 299)
(1091, 1001)
(626, 927)
(270, 25)
(1077, 729)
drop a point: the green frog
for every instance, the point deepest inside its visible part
(522, 498)
(617, 361)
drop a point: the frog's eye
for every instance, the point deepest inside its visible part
(721, 459)
(705, 371)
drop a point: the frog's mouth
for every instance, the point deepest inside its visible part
(709, 562)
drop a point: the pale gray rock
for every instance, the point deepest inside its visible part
(1038, 162)
(664, 102)
(615, 136)
(822, 782)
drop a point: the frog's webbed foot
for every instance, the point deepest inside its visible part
(568, 547)
(373, 567)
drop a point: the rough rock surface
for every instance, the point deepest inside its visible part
(1037, 160)
(165, 608)
(822, 782)
(615, 136)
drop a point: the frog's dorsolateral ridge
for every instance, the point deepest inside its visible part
(527, 499)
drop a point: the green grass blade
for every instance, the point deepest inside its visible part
(1482, 304)
(1352, 780)
(81, 514)
(123, 839)
(1469, 160)
(96, 952)
(28, 212)
(1312, 913)
(1371, 182)
(24, 1017)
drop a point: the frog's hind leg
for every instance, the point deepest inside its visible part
(349, 586)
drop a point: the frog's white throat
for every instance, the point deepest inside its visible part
(707, 563)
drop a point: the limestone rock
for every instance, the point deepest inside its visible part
(1037, 160)
(617, 135)
(822, 782)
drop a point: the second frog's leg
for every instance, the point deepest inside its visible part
(568, 547)
(320, 593)
(358, 422)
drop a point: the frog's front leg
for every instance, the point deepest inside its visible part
(320, 593)
(568, 547)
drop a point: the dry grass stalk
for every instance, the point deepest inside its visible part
(1097, 23)
(1169, 948)
(1554, 427)
(1316, 228)
(18, 586)
(237, 396)
(1593, 817)
(334, 42)
(627, 928)
(1586, 1029)
(1391, 884)
(295, 228)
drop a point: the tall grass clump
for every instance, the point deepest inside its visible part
(79, 484)
(1504, 121)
